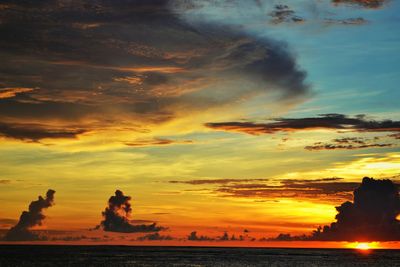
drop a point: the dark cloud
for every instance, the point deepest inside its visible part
(348, 21)
(217, 181)
(224, 237)
(33, 217)
(129, 61)
(348, 143)
(325, 121)
(284, 14)
(194, 237)
(154, 237)
(36, 132)
(319, 146)
(157, 142)
(326, 189)
(370, 217)
(362, 3)
(5, 181)
(117, 216)
(395, 135)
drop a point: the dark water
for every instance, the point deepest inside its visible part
(187, 256)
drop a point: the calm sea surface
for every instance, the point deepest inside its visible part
(188, 256)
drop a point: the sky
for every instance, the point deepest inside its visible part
(179, 121)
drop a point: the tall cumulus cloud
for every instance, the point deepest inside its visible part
(117, 216)
(28, 219)
(372, 216)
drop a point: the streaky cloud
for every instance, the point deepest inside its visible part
(334, 121)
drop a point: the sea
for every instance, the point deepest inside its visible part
(43, 255)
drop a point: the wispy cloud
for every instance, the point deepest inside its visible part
(326, 189)
(362, 3)
(217, 181)
(337, 122)
(11, 92)
(157, 142)
(348, 143)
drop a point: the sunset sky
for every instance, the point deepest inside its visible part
(254, 118)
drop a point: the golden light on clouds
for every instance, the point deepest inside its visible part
(13, 91)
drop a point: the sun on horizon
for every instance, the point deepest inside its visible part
(364, 246)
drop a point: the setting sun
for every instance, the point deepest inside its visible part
(364, 245)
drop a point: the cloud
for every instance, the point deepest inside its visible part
(326, 189)
(5, 181)
(33, 217)
(348, 21)
(194, 237)
(224, 237)
(347, 143)
(362, 3)
(395, 135)
(325, 121)
(156, 142)
(36, 132)
(217, 181)
(155, 236)
(305, 13)
(117, 216)
(110, 64)
(370, 217)
(284, 14)
(306, 189)
(11, 92)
